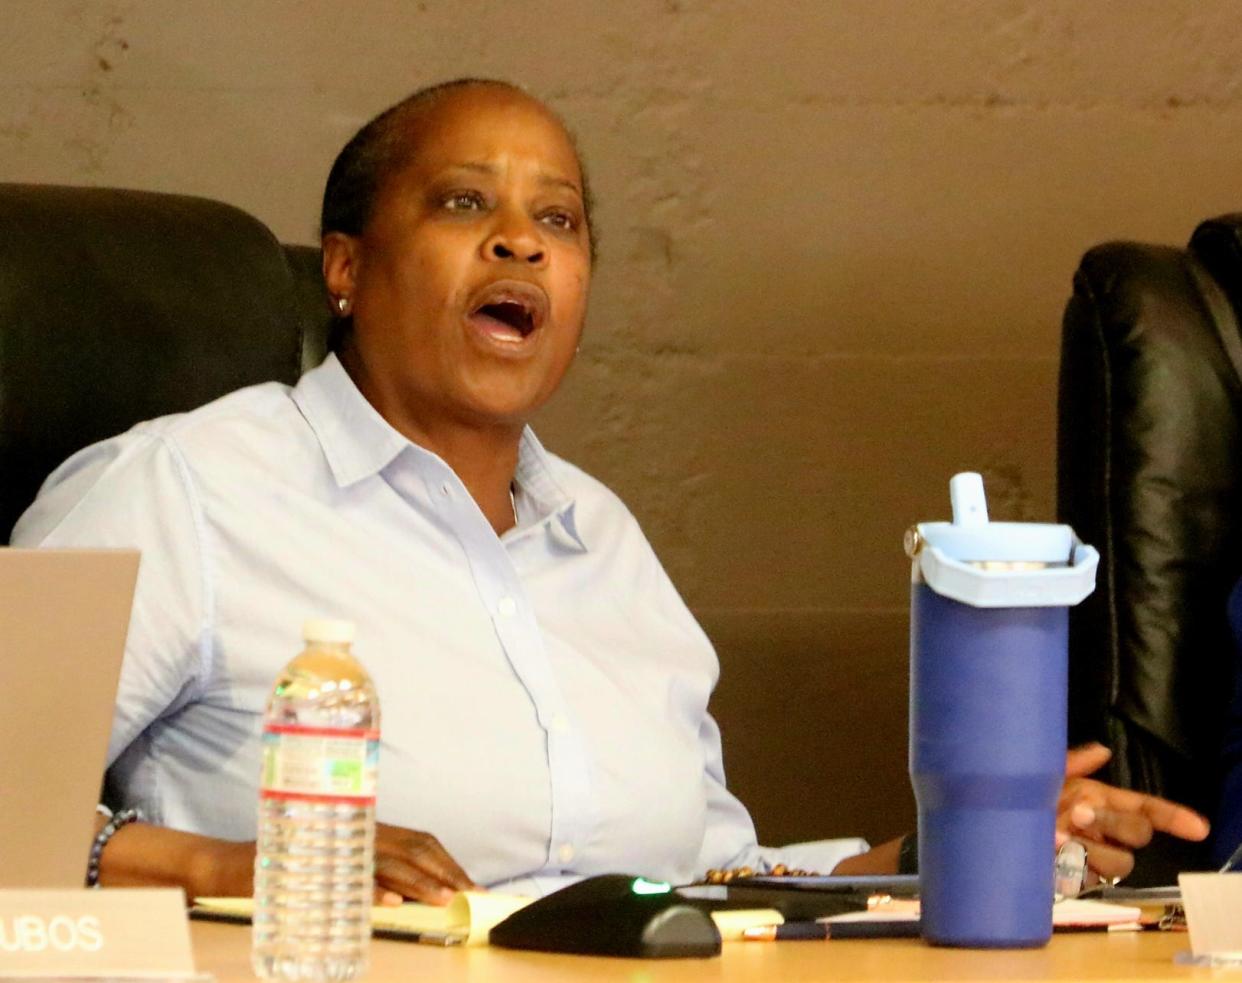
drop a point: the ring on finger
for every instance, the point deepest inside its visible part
(1069, 871)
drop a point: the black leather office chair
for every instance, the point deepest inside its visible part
(1150, 472)
(117, 306)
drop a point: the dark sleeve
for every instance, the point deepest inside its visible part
(1227, 834)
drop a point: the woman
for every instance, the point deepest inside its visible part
(543, 687)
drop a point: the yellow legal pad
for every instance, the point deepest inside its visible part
(468, 918)
(465, 920)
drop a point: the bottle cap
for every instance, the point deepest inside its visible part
(327, 630)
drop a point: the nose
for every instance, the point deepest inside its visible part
(515, 239)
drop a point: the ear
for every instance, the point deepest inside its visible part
(342, 256)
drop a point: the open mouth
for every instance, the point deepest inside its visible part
(509, 311)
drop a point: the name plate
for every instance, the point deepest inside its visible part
(1213, 905)
(85, 933)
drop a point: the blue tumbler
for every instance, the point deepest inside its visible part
(988, 635)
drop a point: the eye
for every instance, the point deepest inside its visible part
(464, 201)
(560, 219)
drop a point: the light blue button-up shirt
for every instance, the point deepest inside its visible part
(543, 694)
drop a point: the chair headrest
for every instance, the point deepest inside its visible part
(1217, 244)
(118, 306)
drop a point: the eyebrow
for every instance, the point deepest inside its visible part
(543, 177)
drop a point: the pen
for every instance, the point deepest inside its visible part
(1233, 860)
(423, 938)
(1111, 927)
(896, 928)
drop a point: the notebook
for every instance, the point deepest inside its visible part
(466, 920)
(64, 615)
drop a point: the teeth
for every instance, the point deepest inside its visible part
(517, 310)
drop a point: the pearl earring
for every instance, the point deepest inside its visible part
(342, 304)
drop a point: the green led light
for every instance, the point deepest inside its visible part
(643, 886)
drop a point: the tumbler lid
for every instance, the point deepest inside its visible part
(1000, 564)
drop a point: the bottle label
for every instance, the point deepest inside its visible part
(319, 764)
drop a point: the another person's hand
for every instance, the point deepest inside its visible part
(410, 864)
(1114, 822)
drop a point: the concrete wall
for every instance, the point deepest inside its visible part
(837, 237)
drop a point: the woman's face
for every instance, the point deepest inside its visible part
(469, 284)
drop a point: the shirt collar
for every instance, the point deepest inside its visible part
(358, 443)
(552, 504)
(356, 440)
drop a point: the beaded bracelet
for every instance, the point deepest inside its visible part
(119, 819)
(907, 863)
(731, 874)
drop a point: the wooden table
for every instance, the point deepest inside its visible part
(223, 951)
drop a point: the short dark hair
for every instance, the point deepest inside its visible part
(381, 148)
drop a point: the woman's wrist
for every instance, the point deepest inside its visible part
(143, 855)
(882, 859)
(221, 868)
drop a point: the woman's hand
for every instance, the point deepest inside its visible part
(1114, 822)
(410, 864)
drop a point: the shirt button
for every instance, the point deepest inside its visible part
(560, 724)
(566, 853)
(507, 606)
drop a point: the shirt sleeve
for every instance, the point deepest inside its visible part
(729, 839)
(136, 491)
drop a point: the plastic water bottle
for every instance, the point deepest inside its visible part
(313, 876)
